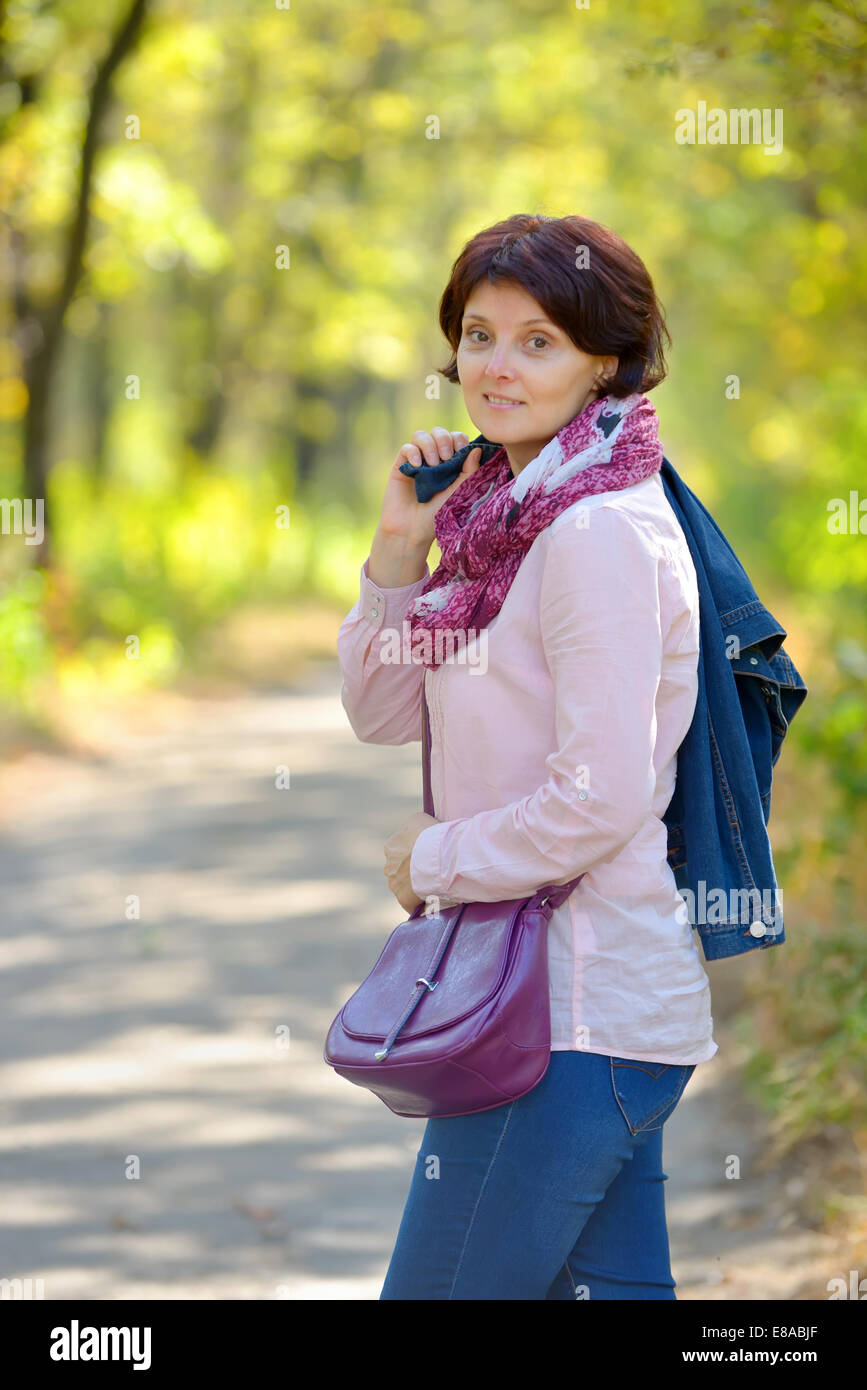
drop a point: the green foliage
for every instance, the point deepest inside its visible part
(163, 565)
(814, 1004)
(25, 649)
(835, 732)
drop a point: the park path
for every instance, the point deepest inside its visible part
(160, 1039)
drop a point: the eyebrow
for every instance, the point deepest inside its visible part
(525, 323)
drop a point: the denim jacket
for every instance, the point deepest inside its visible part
(748, 693)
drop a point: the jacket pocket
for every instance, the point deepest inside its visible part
(783, 692)
(647, 1092)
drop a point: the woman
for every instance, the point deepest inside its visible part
(568, 588)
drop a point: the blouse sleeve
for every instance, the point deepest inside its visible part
(381, 690)
(602, 634)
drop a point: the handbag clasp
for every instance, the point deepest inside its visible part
(383, 1052)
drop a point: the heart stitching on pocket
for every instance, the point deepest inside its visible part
(647, 1095)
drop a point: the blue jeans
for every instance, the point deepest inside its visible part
(558, 1194)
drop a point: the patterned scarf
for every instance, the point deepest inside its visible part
(488, 524)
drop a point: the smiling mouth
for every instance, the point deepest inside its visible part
(500, 400)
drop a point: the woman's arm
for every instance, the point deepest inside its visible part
(602, 634)
(381, 696)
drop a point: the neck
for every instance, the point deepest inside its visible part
(519, 455)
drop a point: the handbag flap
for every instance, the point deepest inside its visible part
(468, 974)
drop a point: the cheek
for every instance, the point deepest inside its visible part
(553, 378)
(564, 380)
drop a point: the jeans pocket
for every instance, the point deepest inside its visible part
(647, 1092)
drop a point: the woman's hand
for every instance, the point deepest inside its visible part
(403, 517)
(398, 850)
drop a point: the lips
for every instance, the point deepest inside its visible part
(501, 400)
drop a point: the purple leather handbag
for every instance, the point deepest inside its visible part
(454, 1017)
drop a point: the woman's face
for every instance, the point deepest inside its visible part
(510, 348)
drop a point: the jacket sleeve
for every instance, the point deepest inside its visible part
(381, 696)
(602, 634)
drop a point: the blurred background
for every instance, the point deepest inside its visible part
(224, 236)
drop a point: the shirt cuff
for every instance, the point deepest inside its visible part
(387, 606)
(424, 862)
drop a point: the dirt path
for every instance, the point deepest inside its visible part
(157, 1139)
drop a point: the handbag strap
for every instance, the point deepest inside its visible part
(423, 980)
(555, 893)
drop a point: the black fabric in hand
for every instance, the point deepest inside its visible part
(432, 478)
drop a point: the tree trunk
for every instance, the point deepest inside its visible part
(40, 329)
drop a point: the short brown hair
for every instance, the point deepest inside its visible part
(608, 309)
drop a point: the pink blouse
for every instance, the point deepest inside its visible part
(554, 751)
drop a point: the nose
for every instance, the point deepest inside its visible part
(498, 366)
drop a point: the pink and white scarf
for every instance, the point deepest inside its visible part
(488, 524)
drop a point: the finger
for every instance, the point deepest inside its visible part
(428, 446)
(411, 455)
(459, 439)
(443, 439)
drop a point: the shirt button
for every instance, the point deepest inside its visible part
(374, 612)
(582, 796)
(758, 929)
(754, 661)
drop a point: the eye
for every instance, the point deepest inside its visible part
(536, 338)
